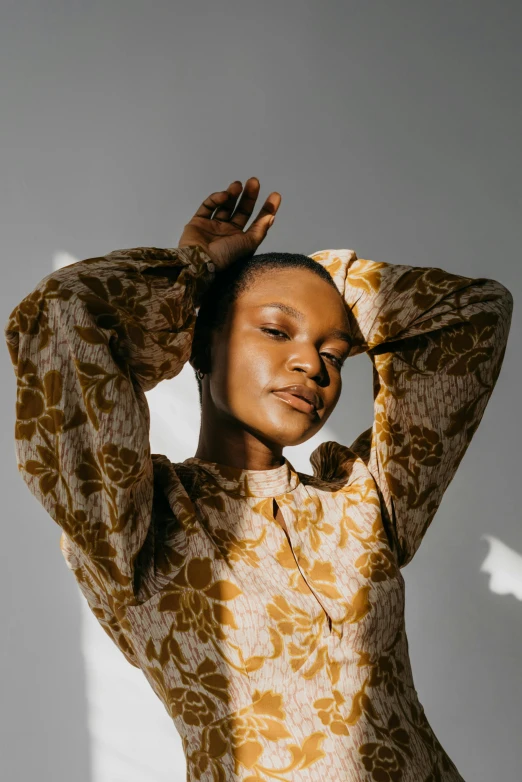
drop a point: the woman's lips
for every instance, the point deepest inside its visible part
(295, 401)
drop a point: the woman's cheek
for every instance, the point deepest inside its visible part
(244, 373)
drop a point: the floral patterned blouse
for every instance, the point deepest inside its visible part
(278, 658)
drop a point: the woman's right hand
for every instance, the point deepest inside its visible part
(222, 236)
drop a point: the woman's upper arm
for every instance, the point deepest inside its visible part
(85, 344)
(437, 343)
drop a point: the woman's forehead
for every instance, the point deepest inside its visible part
(298, 293)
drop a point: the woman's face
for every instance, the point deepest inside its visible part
(288, 328)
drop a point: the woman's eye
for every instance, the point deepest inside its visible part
(337, 361)
(276, 332)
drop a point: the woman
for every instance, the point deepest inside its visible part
(264, 606)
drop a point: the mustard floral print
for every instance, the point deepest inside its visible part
(278, 657)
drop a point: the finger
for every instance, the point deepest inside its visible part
(246, 203)
(212, 203)
(268, 211)
(226, 209)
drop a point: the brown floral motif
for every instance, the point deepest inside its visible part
(388, 431)
(120, 464)
(207, 491)
(266, 718)
(120, 305)
(385, 763)
(100, 603)
(208, 758)
(198, 601)
(31, 315)
(385, 672)
(306, 646)
(92, 538)
(37, 405)
(469, 342)
(37, 411)
(235, 549)
(471, 361)
(366, 275)
(320, 573)
(357, 607)
(303, 756)
(240, 733)
(329, 714)
(428, 285)
(322, 576)
(47, 470)
(378, 564)
(115, 305)
(333, 267)
(94, 381)
(309, 520)
(361, 492)
(388, 329)
(195, 708)
(464, 420)
(362, 705)
(295, 623)
(37, 402)
(426, 447)
(89, 473)
(398, 734)
(388, 377)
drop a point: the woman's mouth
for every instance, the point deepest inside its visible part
(297, 402)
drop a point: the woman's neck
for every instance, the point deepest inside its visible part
(236, 447)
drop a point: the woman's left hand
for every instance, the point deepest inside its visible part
(222, 236)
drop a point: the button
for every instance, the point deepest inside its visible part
(210, 266)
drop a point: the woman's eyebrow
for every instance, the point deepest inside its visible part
(298, 315)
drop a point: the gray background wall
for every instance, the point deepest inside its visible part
(390, 128)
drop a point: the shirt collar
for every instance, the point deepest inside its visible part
(249, 483)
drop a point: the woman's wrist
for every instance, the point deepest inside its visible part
(210, 262)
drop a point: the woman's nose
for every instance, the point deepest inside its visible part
(307, 360)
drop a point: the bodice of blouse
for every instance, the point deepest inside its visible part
(277, 657)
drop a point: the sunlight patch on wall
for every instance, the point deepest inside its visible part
(504, 566)
(132, 738)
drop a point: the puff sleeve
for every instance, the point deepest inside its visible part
(437, 342)
(85, 345)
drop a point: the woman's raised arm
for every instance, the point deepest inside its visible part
(85, 345)
(437, 341)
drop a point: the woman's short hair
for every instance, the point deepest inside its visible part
(225, 289)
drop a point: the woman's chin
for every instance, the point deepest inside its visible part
(286, 434)
(281, 428)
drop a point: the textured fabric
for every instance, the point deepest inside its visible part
(278, 658)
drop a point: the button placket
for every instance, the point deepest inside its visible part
(327, 629)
